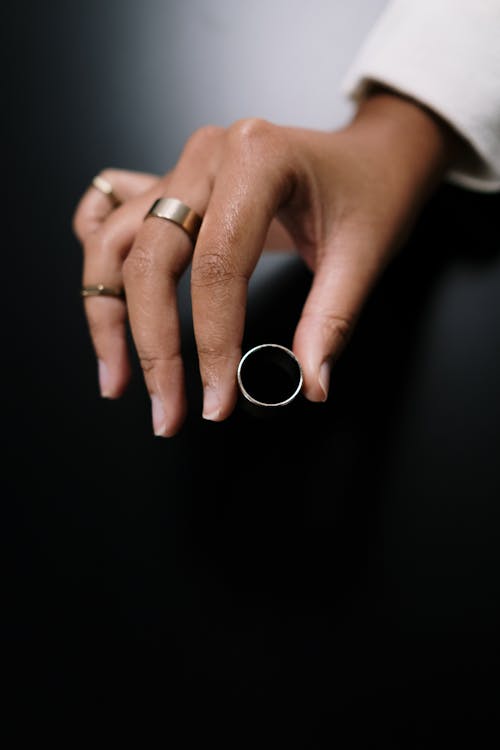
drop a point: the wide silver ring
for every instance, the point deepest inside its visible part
(172, 209)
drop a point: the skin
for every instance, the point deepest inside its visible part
(345, 200)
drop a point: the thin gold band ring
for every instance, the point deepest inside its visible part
(99, 290)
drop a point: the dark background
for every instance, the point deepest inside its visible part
(331, 574)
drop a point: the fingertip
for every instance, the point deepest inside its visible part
(316, 365)
(113, 378)
(218, 402)
(324, 378)
(319, 342)
(103, 374)
(211, 404)
(316, 387)
(166, 423)
(158, 416)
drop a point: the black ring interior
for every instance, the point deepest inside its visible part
(270, 375)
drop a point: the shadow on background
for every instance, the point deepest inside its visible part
(335, 569)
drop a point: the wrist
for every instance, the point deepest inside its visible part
(408, 134)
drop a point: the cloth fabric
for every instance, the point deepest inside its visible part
(444, 54)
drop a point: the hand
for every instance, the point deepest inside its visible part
(347, 199)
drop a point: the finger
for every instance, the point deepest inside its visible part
(247, 191)
(160, 254)
(95, 207)
(340, 287)
(104, 251)
(278, 238)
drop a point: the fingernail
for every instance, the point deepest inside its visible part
(324, 378)
(159, 416)
(104, 379)
(211, 404)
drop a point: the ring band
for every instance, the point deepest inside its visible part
(99, 290)
(175, 210)
(269, 376)
(105, 187)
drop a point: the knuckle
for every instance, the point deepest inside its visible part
(337, 325)
(209, 356)
(138, 265)
(251, 133)
(148, 362)
(215, 350)
(211, 269)
(332, 324)
(203, 138)
(213, 353)
(149, 359)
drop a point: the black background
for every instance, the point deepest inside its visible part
(331, 575)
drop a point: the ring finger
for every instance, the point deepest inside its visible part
(105, 247)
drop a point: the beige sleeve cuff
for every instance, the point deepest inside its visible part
(446, 55)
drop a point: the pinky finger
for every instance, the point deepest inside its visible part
(107, 325)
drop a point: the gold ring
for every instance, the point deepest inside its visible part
(99, 290)
(105, 187)
(175, 210)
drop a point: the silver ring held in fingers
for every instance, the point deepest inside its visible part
(269, 377)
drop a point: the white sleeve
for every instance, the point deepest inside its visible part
(446, 55)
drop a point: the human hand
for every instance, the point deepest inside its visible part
(347, 199)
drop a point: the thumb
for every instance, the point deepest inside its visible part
(340, 286)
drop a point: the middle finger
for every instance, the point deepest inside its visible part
(160, 254)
